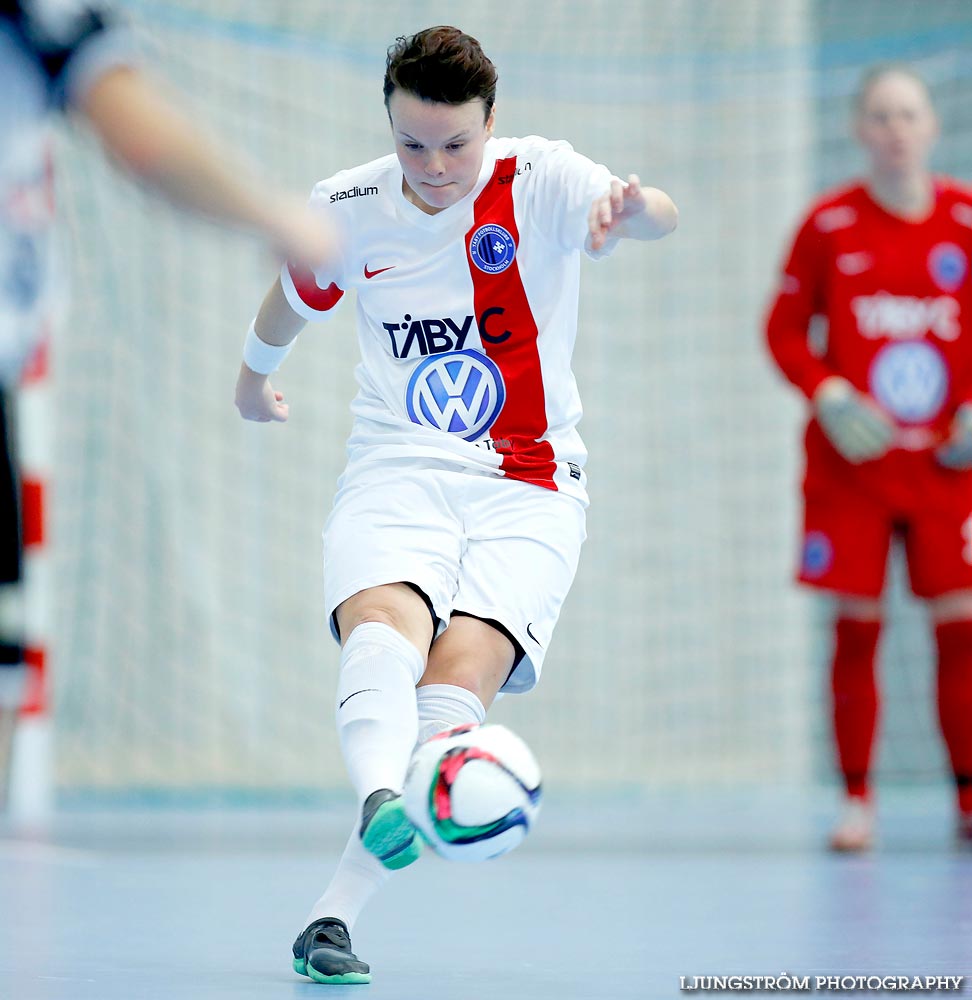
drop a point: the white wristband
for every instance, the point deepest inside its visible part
(261, 357)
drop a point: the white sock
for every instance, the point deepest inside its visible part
(359, 873)
(358, 877)
(376, 714)
(445, 706)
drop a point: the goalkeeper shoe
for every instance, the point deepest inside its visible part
(387, 832)
(323, 952)
(854, 831)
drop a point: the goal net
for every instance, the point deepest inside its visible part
(191, 653)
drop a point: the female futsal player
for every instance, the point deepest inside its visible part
(889, 442)
(459, 519)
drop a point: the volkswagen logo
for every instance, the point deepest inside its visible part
(459, 393)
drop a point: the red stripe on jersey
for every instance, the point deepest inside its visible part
(523, 419)
(310, 292)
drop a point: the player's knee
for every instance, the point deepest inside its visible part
(861, 609)
(396, 606)
(376, 614)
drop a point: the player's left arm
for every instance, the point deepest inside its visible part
(630, 211)
(956, 452)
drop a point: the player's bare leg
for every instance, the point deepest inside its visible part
(951, 615)
(855, 707)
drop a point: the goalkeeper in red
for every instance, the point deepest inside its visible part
(885, 261)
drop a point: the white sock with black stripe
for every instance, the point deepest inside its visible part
(376, 712)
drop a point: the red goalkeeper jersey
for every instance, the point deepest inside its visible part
(896, 296)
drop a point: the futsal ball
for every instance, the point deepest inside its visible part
(473, 792)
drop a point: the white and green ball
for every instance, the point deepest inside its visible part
(473, 792)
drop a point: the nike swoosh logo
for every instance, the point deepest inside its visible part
(381, 270)
(350, 696)
(533, 637)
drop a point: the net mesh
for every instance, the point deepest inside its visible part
(191, 650)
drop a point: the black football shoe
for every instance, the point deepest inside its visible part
(323, 952)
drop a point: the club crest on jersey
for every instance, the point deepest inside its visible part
(947, 265)
(910, 380)
(460, 393)
(818, 554)
(492, 248)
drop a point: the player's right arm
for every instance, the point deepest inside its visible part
(299, 294)
(852, 422)
(799, 298)
(268, 341)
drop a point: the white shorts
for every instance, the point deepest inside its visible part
(482, 544)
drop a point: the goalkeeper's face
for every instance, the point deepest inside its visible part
(896, 124)
(440, 147)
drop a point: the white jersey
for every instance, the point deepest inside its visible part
(467, 318)
(51, 52)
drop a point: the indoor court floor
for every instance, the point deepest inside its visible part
(609, 898)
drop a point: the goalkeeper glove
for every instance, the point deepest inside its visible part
(956, 452)
(852, 422)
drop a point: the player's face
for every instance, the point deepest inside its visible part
(896, 124)
(440, 147)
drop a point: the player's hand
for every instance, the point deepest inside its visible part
(256, 399)
(631, 211)
(853, 423)
(956, 452)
